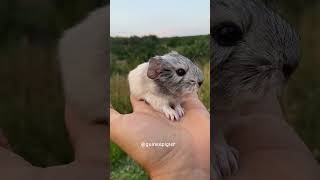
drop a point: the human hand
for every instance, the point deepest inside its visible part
(188, 159)
(90, 146)
(268, 146)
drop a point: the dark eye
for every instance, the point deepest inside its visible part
(181, 72)
(227, 34)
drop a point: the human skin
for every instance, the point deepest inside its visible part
(90, 147)
(269, 147)
(188, 159)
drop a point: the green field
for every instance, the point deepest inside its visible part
(126, 54)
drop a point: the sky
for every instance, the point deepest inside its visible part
(164, 18)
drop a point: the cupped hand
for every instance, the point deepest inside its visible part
(189, 158)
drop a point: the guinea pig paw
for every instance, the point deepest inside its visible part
(179, 110)
(171, 114)
(215, 172)
(227, 159)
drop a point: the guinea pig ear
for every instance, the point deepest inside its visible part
(155, 67)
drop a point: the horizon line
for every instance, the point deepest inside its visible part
(140, 36)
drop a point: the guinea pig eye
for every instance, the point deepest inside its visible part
(181, 72)
(227, 34)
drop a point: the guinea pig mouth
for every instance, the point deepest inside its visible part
(196, 88)
(193, 89)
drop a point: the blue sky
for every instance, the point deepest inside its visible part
(164, 18)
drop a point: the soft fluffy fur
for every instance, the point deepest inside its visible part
(157, 82)
(262, 61)
(84, 63)
(267, 55)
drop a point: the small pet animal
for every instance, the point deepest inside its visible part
(164, 81)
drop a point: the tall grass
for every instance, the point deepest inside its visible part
(204, 93)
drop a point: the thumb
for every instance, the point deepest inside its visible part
(114, 114)
(140, 105)
(89, 138)
(119, 127)
(126, 130)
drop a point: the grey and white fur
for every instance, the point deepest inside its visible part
(163, 81)
(261, 59)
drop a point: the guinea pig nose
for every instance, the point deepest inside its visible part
(200, 83)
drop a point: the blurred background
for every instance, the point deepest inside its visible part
(302, 98)
(31, 96)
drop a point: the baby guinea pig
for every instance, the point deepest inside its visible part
(164, 81)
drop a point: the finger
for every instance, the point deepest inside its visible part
(192, 102)
(114, 114)
(89, 139)
(140, 105)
